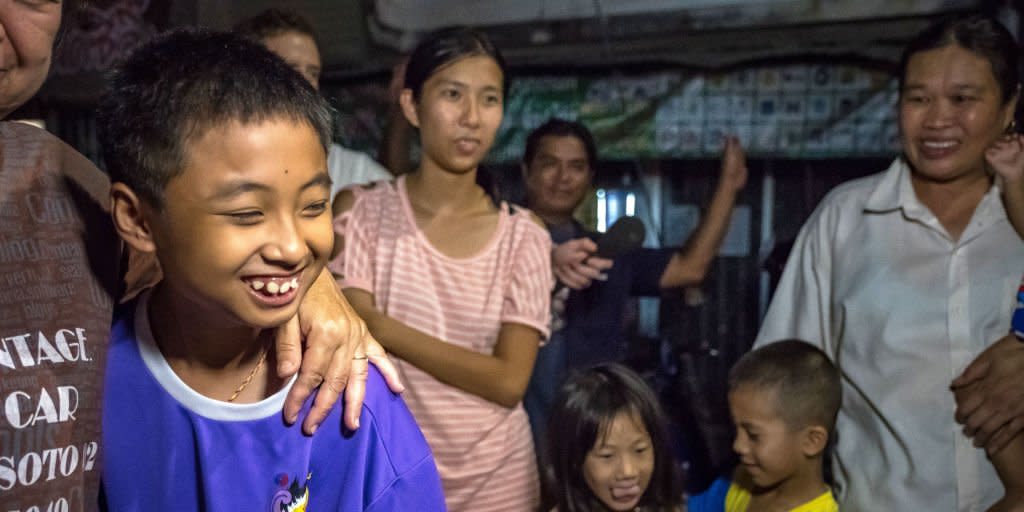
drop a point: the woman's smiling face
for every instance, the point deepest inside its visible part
(951, 110)
(27, 32)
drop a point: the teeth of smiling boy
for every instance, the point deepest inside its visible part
(274, 288)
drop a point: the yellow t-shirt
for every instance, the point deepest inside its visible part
(737, 499)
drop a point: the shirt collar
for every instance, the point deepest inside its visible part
(895, 192)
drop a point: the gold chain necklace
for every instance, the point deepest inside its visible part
(259, 364)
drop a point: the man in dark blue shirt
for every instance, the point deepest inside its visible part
(558, 171)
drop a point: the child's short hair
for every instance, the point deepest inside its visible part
(805, 380)
(177, 86)
(585, 408)
(273, 22)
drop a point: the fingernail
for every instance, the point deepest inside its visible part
(312, 430)
(286, 367)
(357, 422)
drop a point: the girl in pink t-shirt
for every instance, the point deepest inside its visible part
(453, 285)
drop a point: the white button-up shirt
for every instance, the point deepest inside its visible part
(877, 283)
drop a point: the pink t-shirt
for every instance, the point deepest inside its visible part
(484, 451)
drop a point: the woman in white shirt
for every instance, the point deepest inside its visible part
(904, 277)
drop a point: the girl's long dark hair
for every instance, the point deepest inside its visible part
(584, 409)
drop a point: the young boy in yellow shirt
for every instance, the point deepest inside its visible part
(784, 398)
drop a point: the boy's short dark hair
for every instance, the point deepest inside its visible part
(273, 22)
(180, 84)
(806, 382)
(556, 127)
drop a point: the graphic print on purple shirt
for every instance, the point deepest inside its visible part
(170, 448)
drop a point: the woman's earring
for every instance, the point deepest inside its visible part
(1011, 128)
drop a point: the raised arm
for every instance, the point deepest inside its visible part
(1006, 158)
(1013, 201)
(690, 264)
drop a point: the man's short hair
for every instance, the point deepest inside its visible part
(806, 383)
(273, 22)
(556, 127)
(180, 84)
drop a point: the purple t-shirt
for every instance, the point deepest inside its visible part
(167, 447)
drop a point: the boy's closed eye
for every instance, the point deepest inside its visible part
(245, 217)
(316, 209)
(750, 432)
(253, 217)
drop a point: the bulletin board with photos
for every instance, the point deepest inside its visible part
(811, 110)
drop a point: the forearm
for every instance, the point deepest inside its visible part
(1009, 464)
(500, 377)
(690, 265)
(1013, 201)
